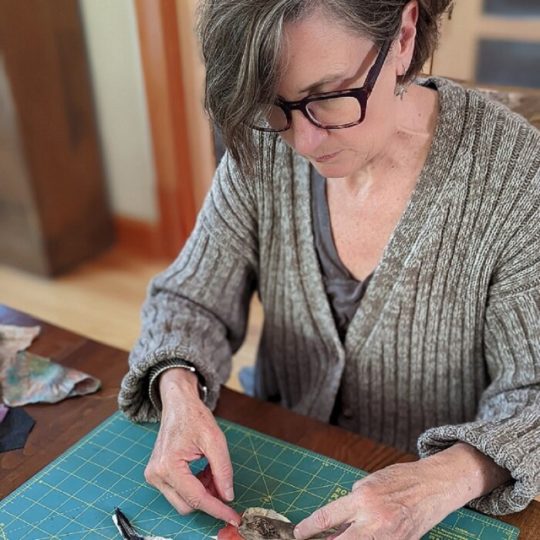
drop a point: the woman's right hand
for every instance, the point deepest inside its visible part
(189, 431)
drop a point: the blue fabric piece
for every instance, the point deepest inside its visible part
(14, 430)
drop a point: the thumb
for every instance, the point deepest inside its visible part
(221, 466)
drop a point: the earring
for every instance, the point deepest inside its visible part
(400, 90)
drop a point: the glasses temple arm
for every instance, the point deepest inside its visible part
(377, 66)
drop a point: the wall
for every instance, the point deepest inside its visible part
(113, 49)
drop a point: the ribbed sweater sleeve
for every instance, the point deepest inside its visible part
(507, 426)
(197, 308)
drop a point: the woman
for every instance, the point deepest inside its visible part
(390, 227)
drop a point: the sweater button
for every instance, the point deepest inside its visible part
(347, 413)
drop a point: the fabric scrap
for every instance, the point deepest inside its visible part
(16, 338)
(15, 429)
(29, 378)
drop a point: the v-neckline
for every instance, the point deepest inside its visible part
(400, 245)
(318, 182)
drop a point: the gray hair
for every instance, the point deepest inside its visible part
(242, 41)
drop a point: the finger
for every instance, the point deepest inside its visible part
(351, 532)
(339, 532)
(332, 515)
(176, 501)
(194, 494)
(183, 508)
(186, 502)
(219, 459)
(206, 479)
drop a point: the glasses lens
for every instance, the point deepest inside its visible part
(271, 119)
(335, 112)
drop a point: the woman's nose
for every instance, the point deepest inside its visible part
(305, 136)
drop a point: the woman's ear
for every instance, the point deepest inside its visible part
(407, 37)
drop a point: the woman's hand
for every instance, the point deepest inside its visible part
(398, 502)
(406, 500)
(187, 432)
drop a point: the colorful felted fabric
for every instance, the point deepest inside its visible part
(15, 338)
(29, 378)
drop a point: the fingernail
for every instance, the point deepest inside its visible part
(229, 493)
(234, 523)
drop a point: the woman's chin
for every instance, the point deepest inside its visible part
(332, 169)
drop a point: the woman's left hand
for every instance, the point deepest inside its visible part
(402, 501)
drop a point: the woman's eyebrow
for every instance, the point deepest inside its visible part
(340, 76)
(326, 80)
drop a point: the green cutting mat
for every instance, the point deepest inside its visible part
(74, 497)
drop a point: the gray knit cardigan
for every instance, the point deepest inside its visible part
(445, 346)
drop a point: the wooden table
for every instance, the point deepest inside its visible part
(61, 425)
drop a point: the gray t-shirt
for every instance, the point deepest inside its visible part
(344, 291)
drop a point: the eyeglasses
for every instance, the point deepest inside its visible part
(328, 110)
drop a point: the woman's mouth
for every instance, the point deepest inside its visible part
(327, 157)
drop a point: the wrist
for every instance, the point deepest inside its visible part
(177, 382)
(468, 472)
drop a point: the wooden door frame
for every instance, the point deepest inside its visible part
(162, 70)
